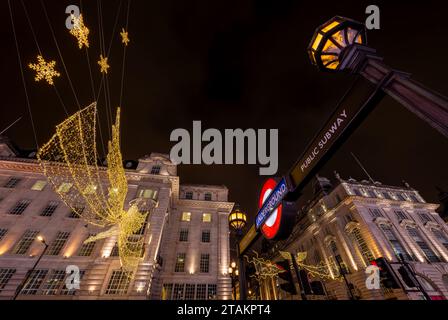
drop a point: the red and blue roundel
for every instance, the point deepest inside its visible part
(272, 225)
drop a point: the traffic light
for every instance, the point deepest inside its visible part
(288, 285)
(387, 276)
(408, 279)
(305, 282)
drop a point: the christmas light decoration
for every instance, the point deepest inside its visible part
(44, 70)
(70, 158)
(103, 64)
(124, 37)
(321, 270)
(264, 268)
(80, 31)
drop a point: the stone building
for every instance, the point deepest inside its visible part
(356, 222)
(186, 251)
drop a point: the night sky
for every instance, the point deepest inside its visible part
(233, 64)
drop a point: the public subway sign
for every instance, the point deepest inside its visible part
(276, 216)
(350, 111)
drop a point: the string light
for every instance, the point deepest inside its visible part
(44, 70)
(71, 157)
(124, 37)
(264, 268)
(103, 64)
(80, 31)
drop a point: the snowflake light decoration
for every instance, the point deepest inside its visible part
(124, 37)
(103, 64)
(44, 70)
(80, 31)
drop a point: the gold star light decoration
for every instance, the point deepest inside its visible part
(80, 31)
(44, 70)
(96, 194)
(103, 64)
(124, 37)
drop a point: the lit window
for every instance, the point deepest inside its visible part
(58, 243)
(208, 197)
(5, 276)
(206, 217)
(186, 216)
(39, 185)
(119, 282)
(180, 263)
(64, 187)
(155, 170)
(12, 183)
(148, 194)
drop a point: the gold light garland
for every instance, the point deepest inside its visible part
(264, 268)
(124, 37)
(70, 159)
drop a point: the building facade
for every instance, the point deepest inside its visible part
(347, 226)
(186, 237)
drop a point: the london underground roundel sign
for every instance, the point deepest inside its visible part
(276, 216)
(272, 223)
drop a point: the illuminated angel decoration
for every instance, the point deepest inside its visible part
(264, 268)
(321, 270)
(69, 161)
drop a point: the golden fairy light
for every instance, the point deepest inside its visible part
(124, 37)
(44, 70)
(80, 31)
(70, 158)
(103, 64)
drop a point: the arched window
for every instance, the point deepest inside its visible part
(362, 245)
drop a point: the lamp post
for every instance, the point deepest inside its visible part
(340, 44)
(29, 272)
(237, 221)
(234, 275)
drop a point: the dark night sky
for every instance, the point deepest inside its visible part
(235, 64)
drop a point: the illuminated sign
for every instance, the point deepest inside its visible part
(276, 217)
(271, 197)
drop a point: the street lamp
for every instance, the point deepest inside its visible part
(341, 45)
(331, 38)
(237, 220)
(234, 275)
(29, 272)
